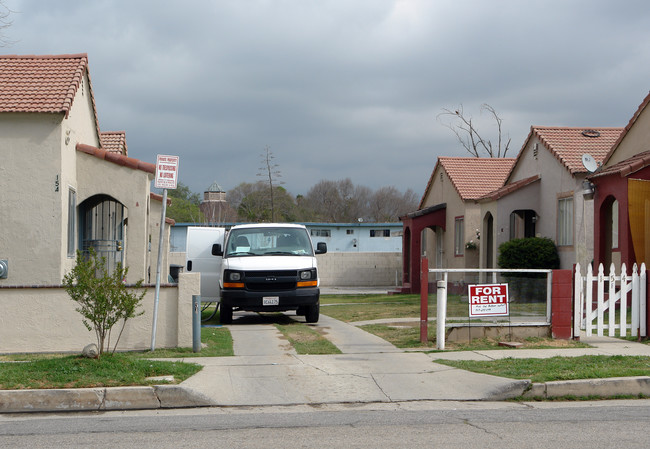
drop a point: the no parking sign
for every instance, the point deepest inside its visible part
(488, 300)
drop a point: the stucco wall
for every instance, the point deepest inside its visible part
(556, 181)
(635, 141)
(443, 191)
(30, 198)
(131, 188)
(45, 320)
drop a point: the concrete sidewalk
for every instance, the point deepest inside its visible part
(266, 371)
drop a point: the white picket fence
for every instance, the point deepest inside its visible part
(610, 291)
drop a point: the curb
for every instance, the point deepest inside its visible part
(101, 399)
(603, 388)
(175, 396)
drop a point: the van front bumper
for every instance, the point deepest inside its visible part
(252, 301)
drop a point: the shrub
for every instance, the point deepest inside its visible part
(533, 252)
(102, 296)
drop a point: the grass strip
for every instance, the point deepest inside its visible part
(78, 372)
(558, 368)
(306, 339)
(216, 342)
(350, 308)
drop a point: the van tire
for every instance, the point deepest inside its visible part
(225, 316)
(312, 312)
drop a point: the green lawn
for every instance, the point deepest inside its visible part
(558, 368)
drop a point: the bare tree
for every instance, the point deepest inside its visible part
(343, 202)
(5, 23)
(271, 172)
(388, 204)
(470, 138)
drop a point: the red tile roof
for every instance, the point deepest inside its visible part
(40, 83)
(45, 84)
(116, 158)
(113, 141)
(569, 144)
(473, 177)
(626, 167)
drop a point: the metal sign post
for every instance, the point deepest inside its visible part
(166, 178)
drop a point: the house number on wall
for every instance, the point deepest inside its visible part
(56, 184)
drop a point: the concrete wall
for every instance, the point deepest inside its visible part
(348, 269)
(44, 320)
(360, 269)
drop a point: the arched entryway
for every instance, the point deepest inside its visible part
(103, 228)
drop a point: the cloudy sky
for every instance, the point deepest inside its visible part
(340, 88)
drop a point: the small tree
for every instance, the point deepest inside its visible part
(102, 296)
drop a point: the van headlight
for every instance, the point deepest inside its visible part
(308, 278)
(306, 275)
(233, 279)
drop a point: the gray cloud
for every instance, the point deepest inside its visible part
(336, 88)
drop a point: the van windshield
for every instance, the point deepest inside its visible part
(268, 242)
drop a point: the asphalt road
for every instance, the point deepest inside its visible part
(602, 424)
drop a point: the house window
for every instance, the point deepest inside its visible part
(615, 224)
(321, 233)
(380, 233)
(565, 221)
(72, 219)
(459, 236)
(349, 231)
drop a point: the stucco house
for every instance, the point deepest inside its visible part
(65, 184)
(622, 196)
(446, 226)
(544, 194)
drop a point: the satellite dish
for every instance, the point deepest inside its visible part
(589, 163)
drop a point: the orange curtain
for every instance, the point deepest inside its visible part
(638, 193)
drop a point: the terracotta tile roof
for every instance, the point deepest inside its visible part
(40, 83)
(569, 144)
(113, 141)
(473, 177)
(509, 188)
(118, 159)
(626, 167)
(636, 115)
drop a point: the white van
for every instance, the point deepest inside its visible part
(262, 268)
(199, 258)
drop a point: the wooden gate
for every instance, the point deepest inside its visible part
(612, 302)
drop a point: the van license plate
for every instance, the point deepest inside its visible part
(271, 301)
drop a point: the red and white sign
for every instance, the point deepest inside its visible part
(488, 300)
(166, 172)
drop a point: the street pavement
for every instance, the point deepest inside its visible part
(266, 371)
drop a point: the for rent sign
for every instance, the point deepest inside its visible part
(488, 300)
(166, 172)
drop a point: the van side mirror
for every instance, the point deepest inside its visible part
(321, 248)
(217, 250)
